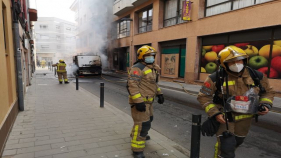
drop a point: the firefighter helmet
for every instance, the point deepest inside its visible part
(61, 60)
(144, 51)
(230, 54)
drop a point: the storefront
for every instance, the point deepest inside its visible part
(173, 58)
(262, 45)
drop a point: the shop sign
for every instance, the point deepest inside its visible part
(186, 10)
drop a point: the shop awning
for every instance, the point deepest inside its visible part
(32, 14)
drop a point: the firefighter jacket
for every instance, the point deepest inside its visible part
(61, 67)
(142, 83)
(237, 87)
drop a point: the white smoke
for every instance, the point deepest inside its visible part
(96, 17)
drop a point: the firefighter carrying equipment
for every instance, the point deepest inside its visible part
(236, 84)
(145, 51)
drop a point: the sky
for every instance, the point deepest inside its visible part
(54, 8)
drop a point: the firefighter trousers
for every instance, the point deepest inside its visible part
(142, 124)
(62, 75)
(226, 146)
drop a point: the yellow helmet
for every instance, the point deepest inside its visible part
(61, 60)
(145, 50)
(230, 54)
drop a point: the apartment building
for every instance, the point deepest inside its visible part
(187, 49)
(55, 39)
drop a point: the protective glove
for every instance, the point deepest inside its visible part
(262, 106)
(160, 98)
(210, 126)
(141, 107)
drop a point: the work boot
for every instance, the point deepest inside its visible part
(66, 82)
(138, 155)
(147, 137)
(60, 82)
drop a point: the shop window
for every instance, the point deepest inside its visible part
(145, 20)
(264, 51)
(214, 7)
(173, 11)
(123, 28)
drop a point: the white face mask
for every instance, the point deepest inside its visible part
(236, 67)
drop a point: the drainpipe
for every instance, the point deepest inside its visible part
(18, 58)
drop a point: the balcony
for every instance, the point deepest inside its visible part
(122, 6)
(138, 2)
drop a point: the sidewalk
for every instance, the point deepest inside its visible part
(60, 122)
(191, 88)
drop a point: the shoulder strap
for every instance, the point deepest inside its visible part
(257, 77)
(139, 65)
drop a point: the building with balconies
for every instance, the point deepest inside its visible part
(55, 39)
(182, 44)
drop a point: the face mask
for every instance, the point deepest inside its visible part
(149, 59)
(236, 67)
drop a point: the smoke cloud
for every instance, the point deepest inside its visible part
(95, 17)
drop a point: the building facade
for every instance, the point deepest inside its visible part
(55, 39)
(187, 49)
(16, 61)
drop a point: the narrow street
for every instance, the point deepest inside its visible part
(173, 119)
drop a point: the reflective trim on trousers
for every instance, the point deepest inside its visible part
(134, 142)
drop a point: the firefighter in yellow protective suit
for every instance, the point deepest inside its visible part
(142, 87)
(61, 71)
(43, 63)
(235, 80)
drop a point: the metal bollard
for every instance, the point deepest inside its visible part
(101, 94)
(77, 83)
(195, 136)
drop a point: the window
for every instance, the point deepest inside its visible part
(173, 11)
(44, 46)
(145, 20)
(214, 7)
(43, 26)
(57, 27)
(123, 28)
(68, 28)
(58, 37)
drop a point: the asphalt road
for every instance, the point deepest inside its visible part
(173, 119)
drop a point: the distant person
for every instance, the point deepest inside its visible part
(143, 87)
(43, 63)
(38, 63)
(61, 71)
